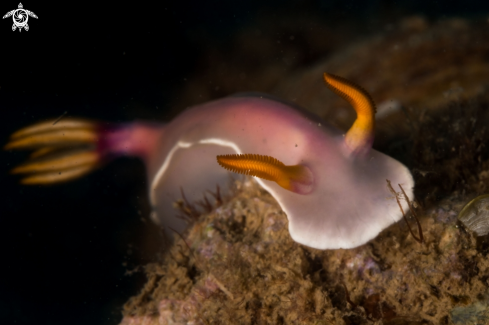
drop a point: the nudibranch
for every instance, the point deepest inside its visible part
(332, 186)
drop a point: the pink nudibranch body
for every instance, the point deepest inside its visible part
(348, 203)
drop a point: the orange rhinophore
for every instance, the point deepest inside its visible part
(361, 135)
(296, 178)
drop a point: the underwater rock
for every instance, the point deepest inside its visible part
(475, 215)
(448, 153)
(474, 314)
(238, 265)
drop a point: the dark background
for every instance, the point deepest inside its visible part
(66, 249)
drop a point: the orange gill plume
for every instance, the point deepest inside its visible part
(296, 178)
(62, 151)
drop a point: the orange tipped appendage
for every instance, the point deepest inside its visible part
(63, 151)
(360, 137)
(66, 133)
(296, 178)
(70, 148)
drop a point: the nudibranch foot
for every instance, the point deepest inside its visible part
(296, 178)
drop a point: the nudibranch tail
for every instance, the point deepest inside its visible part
(296, 178)
(74, 147)
(360, 137)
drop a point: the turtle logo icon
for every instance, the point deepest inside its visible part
(20, 17)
